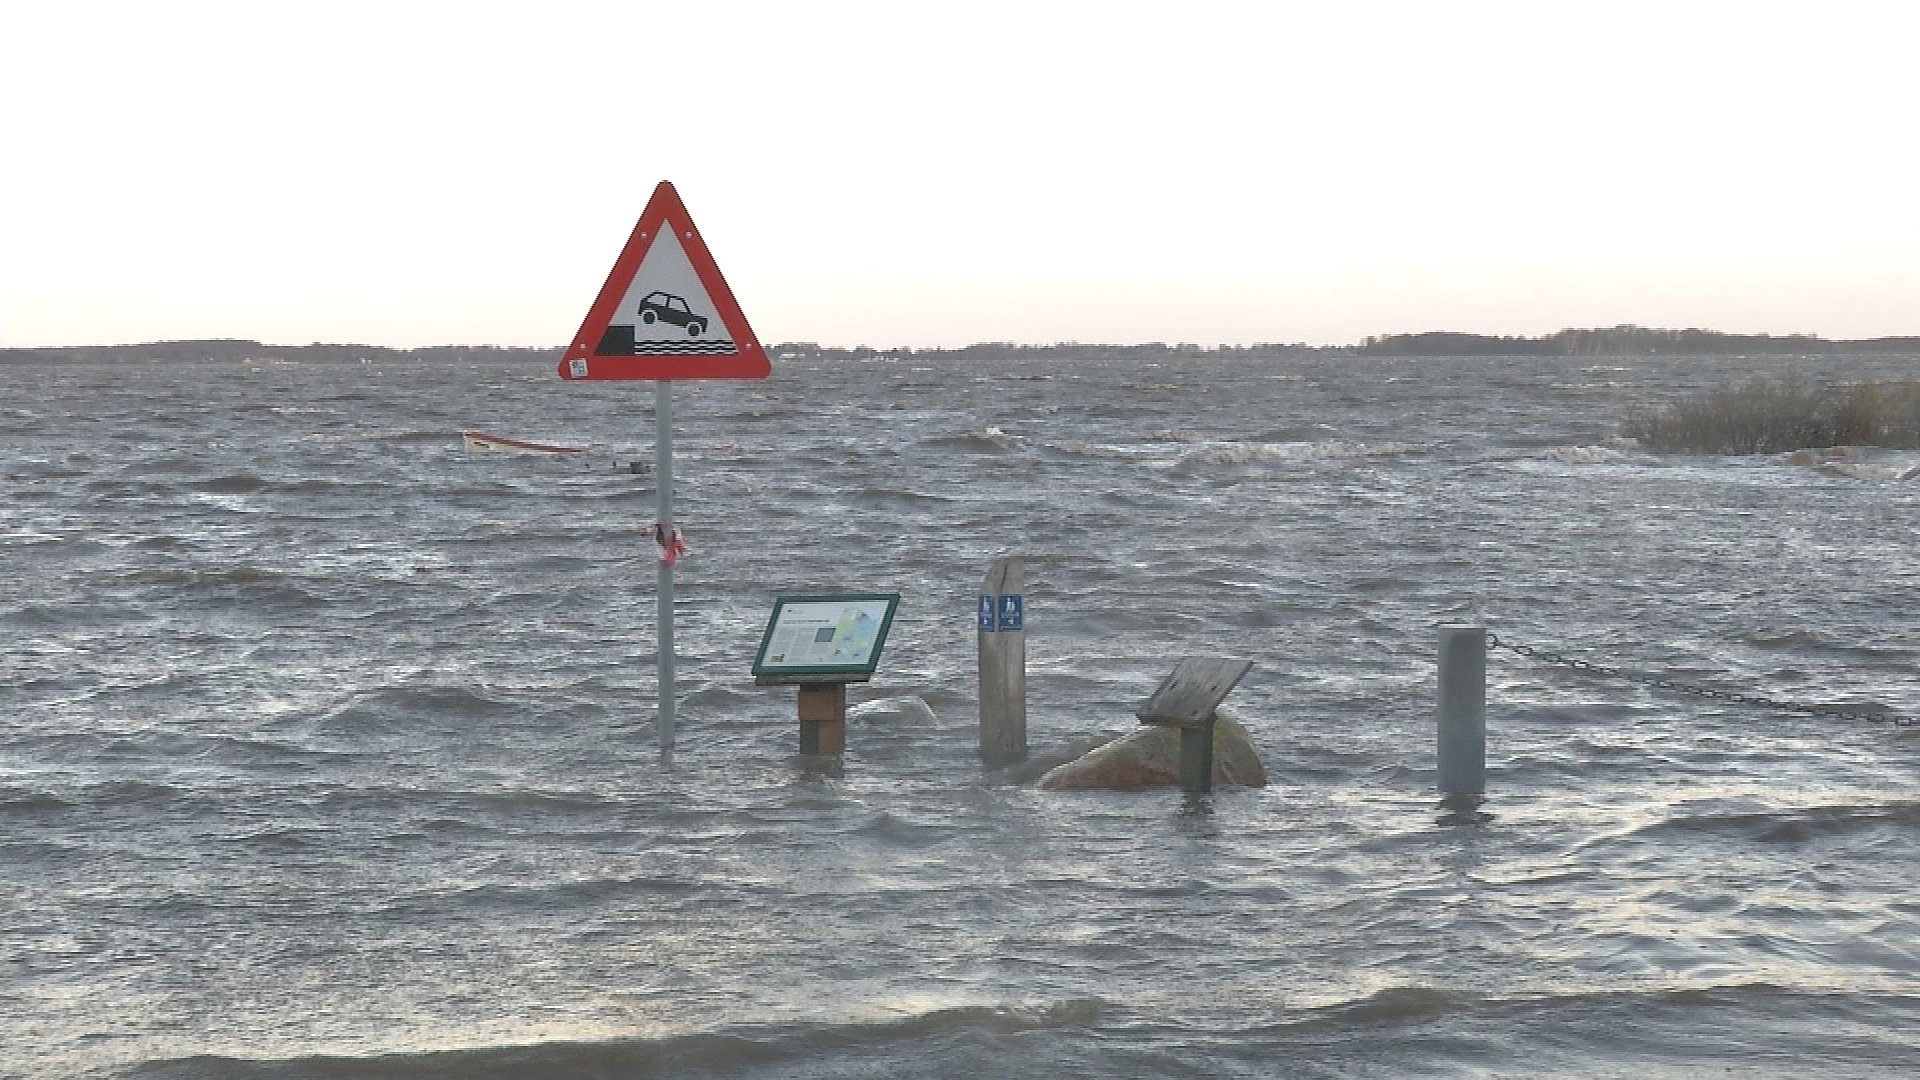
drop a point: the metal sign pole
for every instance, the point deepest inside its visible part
(664, 536)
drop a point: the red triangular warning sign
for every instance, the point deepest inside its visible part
(665, 311)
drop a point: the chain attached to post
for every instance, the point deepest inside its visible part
(1590, 668)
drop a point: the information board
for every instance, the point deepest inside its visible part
(837, 634)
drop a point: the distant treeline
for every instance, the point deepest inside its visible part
(1625, 340)
(226, 351)
(1614, 341)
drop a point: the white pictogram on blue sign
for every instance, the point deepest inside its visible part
(1010, 611)
(986, 612)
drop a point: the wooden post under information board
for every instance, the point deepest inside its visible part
(821, 643)
(1003, 663)
(664, 313)
(823, 718)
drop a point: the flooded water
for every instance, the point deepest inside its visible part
(329, 748)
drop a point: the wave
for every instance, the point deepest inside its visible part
(1295, 453)
(893, 831)
(398, 707)
(242, 585)
(451, 438)
(1588, 455)
(234, 484)
(1182, 435)
(50, 616)
(26, 803)
(1399, 1030)
(322, 485)
(444, 809)
(496, 899)
(1792, 826)
(162, 465)
(929, 1042)
(1293, 433)
(167, 750)
(1083, 449)
(1522, 1008)
(900, 498)
(990, 440)
(133, 793)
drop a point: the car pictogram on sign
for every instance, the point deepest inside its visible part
(666, 307)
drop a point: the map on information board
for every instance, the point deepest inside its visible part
(838, 634)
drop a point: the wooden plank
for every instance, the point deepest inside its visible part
(1188, 696)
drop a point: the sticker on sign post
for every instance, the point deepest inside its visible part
(1011, 613)
(986, 612)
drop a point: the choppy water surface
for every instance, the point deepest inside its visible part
(329, 748)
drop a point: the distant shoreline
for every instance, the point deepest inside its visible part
(1624, 340)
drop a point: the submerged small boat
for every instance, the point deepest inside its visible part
(481, 442)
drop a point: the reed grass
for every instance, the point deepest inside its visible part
(1770, 416)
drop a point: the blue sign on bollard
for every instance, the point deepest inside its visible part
(986, 612)
(1011, 613)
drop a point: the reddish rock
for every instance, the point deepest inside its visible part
(1150, 757)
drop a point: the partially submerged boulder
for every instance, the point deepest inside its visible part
(1860, 462)
(1150, 757)
(1825, 455)
(1046, 759)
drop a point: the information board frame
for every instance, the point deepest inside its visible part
(791, 645)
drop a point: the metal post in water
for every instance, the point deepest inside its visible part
(1462, 740)
(663, 535)
(1196, 756)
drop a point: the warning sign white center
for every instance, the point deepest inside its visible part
(665, 312)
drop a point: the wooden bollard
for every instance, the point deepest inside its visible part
(1462, 714)
(1186, 699)
(1003, 663)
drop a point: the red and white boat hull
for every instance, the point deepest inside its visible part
(481, 442)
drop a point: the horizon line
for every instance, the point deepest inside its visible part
(1366, 342)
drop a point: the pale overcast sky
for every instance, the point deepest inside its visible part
(887, 173)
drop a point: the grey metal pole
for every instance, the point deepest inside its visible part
(1196, 756)
(663, 523)
(1463, 710)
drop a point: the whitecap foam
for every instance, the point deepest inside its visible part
(1586, 455)
(1295, 452)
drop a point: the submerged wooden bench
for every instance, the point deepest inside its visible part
(1186, 700)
